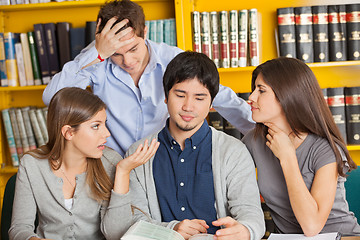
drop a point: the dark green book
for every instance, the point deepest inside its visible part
(34, 59)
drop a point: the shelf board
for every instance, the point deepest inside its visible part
(25, 88)
(311, 65)
(8, 169)
(353, 147)
(65, 4)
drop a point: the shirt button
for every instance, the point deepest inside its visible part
(194, 147)
(182, 209)
(70, 213)
(174, 142)
(182, 160)
(182, 184)
(172, 147)
(76, 178)
(75, 196)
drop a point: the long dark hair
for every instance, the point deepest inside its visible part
(299, 94)
(73, 106)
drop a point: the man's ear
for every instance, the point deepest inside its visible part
(146, 29)
(67, 132)
(165, 101)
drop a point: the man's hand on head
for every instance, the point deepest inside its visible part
(110, 39)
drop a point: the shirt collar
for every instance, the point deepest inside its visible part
(195, 139)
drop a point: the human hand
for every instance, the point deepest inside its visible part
(109, 40)
(188, 228)
(142, 154)
(280, 143)
(233, 229)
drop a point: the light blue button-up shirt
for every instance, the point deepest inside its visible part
(134, 113)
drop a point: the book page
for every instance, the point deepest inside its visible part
(322, 236)
(146, 231)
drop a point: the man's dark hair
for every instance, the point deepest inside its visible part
(189, 65)
(123, 9)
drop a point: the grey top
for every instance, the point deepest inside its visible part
(314, 153)
(236, 191)
(39, 191)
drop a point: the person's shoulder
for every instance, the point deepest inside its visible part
(31, 163)
(164, 52)
(225, 141)
(135, 145)
(110, 156)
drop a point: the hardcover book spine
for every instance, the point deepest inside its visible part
(216, 120)
(353, 31)
(234, 38)
(51, 46)
(34, 59)
(231, 130)
(167, 31)
(27, 59)
(196, 31)
(11, 67)
(173, 32)
(10, 137)
(90, 31)
(15, 128)
(63, 39)
(304, 34)
(22, 131)
(3, 76)
(336, 103)
(243, 37)
(77, 41)
(205, 34)
(224, 39)
(286, 30)
(214, 33)
(153, 28)
(35, 125)
(160, 31)
(42, 124)
(20, 64)
(352, 103)
(321, 33)
(28, 128)
(42, 52)
(254, 37)
(337, 40)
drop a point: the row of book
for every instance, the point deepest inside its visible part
(221, 124)
(229, 38)
(25, 129)
(32, 58)
(162, 30)
(16, 2)
(320, 33)
(344, 104)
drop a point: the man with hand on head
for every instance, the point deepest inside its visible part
(125, 70)
(200, 178)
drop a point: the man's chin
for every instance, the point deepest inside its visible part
(185, 128)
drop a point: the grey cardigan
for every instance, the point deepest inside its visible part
(39, 192)
(236, 190)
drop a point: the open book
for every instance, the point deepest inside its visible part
(321, 236)
(147, 231)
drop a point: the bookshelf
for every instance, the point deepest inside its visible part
(331, 74)
(20, 18)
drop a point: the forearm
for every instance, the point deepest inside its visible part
(117, 216)
(73, 74)
(304, 206)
